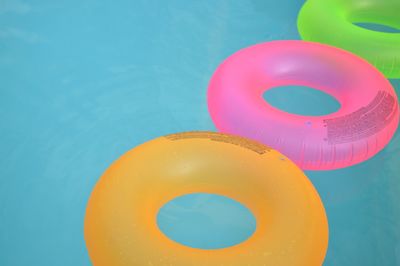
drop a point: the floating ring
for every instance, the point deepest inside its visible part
(364, 124)
(332, 22)
(120, 223)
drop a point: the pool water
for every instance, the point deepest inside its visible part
(84, 81)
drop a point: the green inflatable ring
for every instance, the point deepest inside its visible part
(332, 22)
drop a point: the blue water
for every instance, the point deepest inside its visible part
(301, 100)
(378, 27)
(206, 221)
(84, 81)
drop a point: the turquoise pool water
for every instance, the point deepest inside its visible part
(84, 81)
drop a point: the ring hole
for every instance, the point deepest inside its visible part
(301, 100)
(377, 27)
(206, 221)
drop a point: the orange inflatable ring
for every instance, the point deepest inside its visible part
(120, 223)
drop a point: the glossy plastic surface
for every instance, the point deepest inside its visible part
(334, 22)
(120, 223)
(364, 124)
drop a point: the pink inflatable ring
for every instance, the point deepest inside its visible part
(364, 124)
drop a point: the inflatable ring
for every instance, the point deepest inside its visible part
(364, 124)
(120, 223)
(331, 22)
